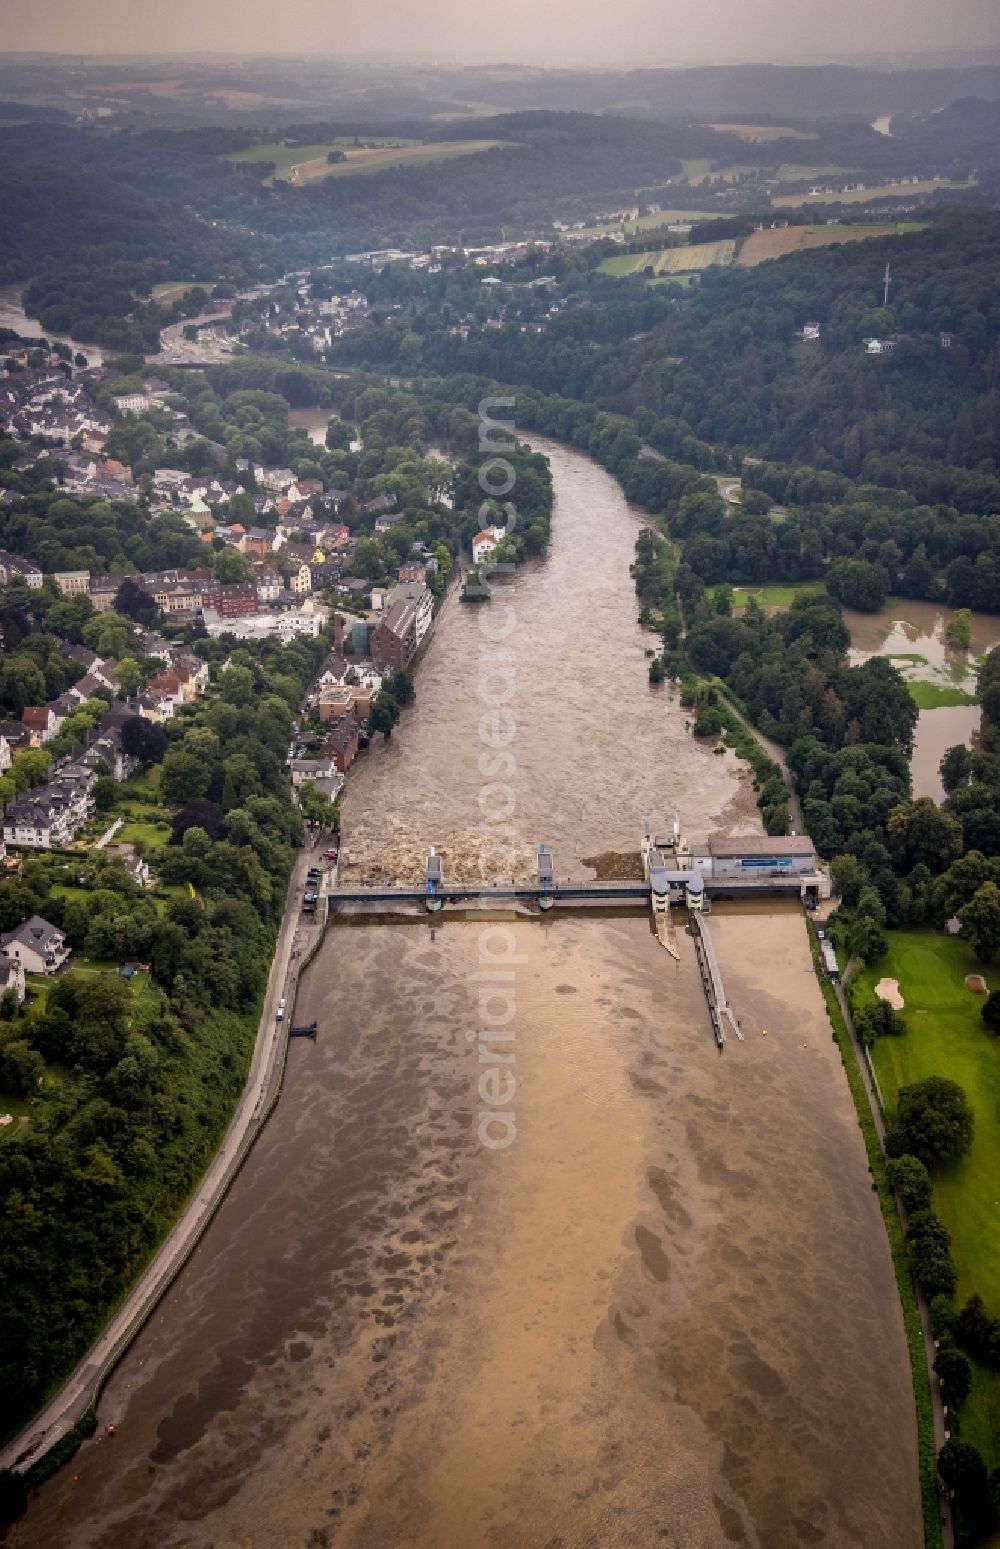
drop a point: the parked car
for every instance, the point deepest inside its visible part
(329, 855)
(280, 1015)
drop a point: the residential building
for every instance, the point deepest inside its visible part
(238, 600)
(417, 593)
(299, 577)
(72, 583)
(39, 947)
(41, 723)
(307, 620)
(318, 769)
(52, 814)
(394, 638)
(259, 542)
(134, 403)
(103, 591)
(14, 568)
(84, 658)
(274, 478)
(135, 865)
(342, 744)
(269, 583)
(486, 542)
(16, 735)
(879, 346)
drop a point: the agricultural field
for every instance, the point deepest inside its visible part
(763, 245)
(760, 134)
(308, 163)
(671, 279)
(880, 191)
(283, 155)
(945, 1036)
(671, 260)
(407, 155)
(787, 172)
(651, 222)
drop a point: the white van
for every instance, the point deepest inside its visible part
(281, 1011)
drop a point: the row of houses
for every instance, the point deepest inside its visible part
(51, 815)
(50, 403)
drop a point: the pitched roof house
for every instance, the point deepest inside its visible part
(39, 947)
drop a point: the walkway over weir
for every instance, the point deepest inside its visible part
(628, 895)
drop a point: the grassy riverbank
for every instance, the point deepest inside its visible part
(945, 1036)
(927, 1452)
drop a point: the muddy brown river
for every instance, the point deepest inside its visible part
(653, 1307)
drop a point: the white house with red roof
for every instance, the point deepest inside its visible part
(485, 542)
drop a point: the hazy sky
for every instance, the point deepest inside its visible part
(549, 32)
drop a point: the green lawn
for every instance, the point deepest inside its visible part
(65, 890)
(776, 595)
(146, 784)
(651, 222)
(153, 837)
(945, 1037)
(172, 290)
(932, 696)
(301, 164)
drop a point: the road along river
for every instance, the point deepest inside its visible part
(664, 1314)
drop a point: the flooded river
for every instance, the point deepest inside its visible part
(13, 315)
(913, 635)
(316, 421)
(664, 1313)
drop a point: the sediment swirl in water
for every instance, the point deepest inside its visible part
(665, 1315)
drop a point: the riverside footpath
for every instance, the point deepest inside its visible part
(298, 937)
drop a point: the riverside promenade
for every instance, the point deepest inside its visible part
(298, 937)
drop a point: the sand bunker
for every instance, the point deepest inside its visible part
(977, 984)
(888, 989)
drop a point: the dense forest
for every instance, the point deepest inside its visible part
(726, 365)
(880, 474)
(144, 1085)
(100, 214)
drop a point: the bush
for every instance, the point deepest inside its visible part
(13, 1496)
(942, 1311)
(934, 1121)
(911, 1180)
(879, 1021)
(961, 1466)
(990, 1012)
(930, 1253)
(979, 1333)
(708, 722)
(956, 1376)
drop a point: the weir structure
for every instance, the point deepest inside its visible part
(675, 873)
